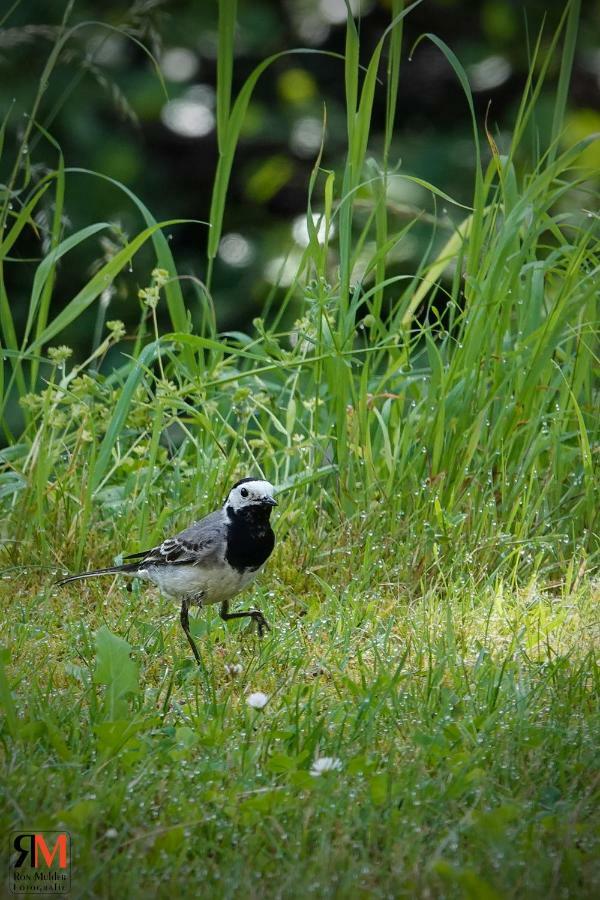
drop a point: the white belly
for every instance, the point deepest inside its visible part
(214, 584)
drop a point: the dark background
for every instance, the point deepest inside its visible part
(107, 110)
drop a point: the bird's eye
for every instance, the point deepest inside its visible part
(244, 492)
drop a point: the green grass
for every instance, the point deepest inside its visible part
(433, 594)
(465, 717)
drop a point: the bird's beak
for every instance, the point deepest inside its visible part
(268, 501)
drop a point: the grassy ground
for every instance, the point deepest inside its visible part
(434, 437)
(464, 714)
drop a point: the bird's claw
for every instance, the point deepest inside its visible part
(261, 623)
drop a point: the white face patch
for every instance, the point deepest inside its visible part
(251, 493)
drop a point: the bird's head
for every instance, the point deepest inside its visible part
(251, 495)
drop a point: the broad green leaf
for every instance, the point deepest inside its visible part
(116, 670)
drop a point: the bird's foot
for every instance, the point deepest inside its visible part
(261, 623)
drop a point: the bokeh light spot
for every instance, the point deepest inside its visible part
(489, 73)
(300, 229)
(235, 250)
(296, 86)
(179, 64)
(268, 179)
(305, 139)
(335, 12)
(191, 115)
(282, 270)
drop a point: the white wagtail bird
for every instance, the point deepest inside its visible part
(213, 559)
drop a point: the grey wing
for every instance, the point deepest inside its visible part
(196, 544)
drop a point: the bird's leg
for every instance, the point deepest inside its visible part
(185, 624)
(261, 623)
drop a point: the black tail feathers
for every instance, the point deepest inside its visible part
(127, 569)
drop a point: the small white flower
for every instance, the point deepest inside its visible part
(233, 669)
(257, 700)
(325, 764)
(111, 833)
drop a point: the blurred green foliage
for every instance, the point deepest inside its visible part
(108, 111)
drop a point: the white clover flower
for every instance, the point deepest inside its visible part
(233, 669)
(257, 700)
(322, 764)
